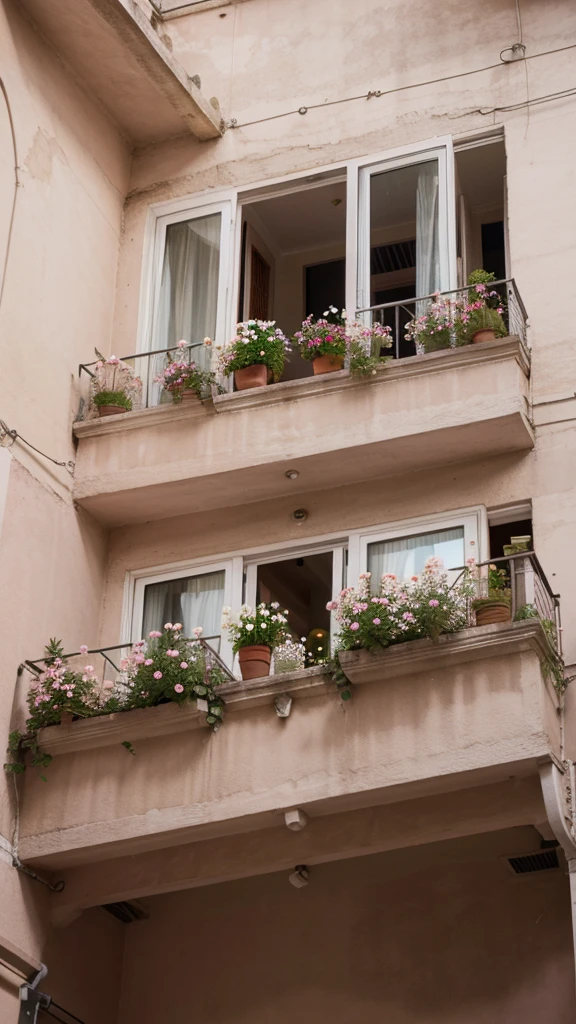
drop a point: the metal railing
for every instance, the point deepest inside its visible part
(531, 596)
(397, 315)
(147, 366)
(111, 666)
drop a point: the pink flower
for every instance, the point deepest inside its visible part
(177, 625)
(376, 622)
(354, 626)
(89, 668)
(138, 659)
(154, 633)
(149, 661)
(167, 625)
(173, 654)
(157, 675)
(108, 684)
(331, 606)
(56, 685)
(183, 664)
(433, 603)
(83, 649)
(198, 630)
(179, 688)
(183, 343)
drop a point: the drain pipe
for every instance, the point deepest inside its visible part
(558, 783)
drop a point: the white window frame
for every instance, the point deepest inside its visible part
(137, 581)
(441, 150)
(160, 216)
(474, 520)
(356, 172)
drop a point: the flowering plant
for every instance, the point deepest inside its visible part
(483, 311)
(440, 327)
(492, 585)
(181, 375)
(165, 667)
(114, 383)
(256, 342)
(391, 611)
(264, 625)
(365, 345)
(324, 337)
(289, 656)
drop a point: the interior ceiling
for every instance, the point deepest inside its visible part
(480, 173)
(307, 219)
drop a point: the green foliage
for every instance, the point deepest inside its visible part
(113, 398)
(265, 625)
(363, 364)
(257, 343)
(485, 319)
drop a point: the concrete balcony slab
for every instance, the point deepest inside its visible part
(418, 412)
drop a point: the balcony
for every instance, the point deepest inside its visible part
(418, 411)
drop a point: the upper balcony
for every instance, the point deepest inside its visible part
(418, 411)
(426, 720)
(114, 47)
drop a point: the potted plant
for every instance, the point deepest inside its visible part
(255, 635)
(258, 350)
(440, 327)
(495, 598)
(289, 656)
(183, 379)
(482, 315)
(115, 388)
(365, 346)
(323, 342)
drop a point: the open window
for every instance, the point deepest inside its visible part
(481, 198)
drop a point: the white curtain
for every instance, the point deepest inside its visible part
(189, 291)
(427, 250)
(407, 556)
(193, 601)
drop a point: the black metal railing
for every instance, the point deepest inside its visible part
(147, 366)
(397, 315)
(530, 593)
(111, 667)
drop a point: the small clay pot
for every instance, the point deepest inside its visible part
(327, 364)
(484, 335)
(496, 611)
(111, 410)
(188, 397)
(254, 661)
(255, 376)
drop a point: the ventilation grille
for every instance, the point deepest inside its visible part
(126, 912)
(544, 860)
(384, 259)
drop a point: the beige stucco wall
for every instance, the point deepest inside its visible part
(442, 933)
(57, 305)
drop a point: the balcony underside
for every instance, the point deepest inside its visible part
(417, 413)
(469, 711)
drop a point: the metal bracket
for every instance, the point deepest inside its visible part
(30, 1002)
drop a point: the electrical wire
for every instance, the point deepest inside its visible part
(378, 93)
(17, 184)
(5, 432)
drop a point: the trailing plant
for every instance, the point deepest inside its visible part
(264, 625)
(165, 667)
(114, 383)
(378, 614)
(365, 346)
(181, 375)
(439, 327)
(257, 342)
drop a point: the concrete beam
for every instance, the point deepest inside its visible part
(516, 802)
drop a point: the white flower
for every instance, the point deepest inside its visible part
(226, 610)
(246, 609)
(249, 626)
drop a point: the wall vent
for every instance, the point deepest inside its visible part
(528, 863)
(127, 912)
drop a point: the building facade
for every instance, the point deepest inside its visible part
(166, 171)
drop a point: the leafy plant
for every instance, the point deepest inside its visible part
(289, 656)
(165, 667)
(180, 376)
(439, 327)
(257, 342)
(264, 625)
(114, 383)
(483, 311)
(325, 336)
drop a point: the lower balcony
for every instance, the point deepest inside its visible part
(417, 412)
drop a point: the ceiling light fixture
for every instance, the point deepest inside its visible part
(292, 474)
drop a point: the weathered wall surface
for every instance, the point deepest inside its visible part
(441, 933)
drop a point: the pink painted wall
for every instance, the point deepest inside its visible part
(440, 933)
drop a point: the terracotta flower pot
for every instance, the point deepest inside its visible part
(327, 364)
(111, 410)
(188, 397)
(484, 335)
(254, 661)
(255, 376)
(495, 611)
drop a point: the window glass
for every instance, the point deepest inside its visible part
(193, 601)
(189, 287)
(407, 556)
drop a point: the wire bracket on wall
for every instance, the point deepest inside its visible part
(511, 53)
(9, 437)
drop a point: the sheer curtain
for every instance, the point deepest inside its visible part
(407, 556)
(188, 292)
(193, 601)
(427, 249)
